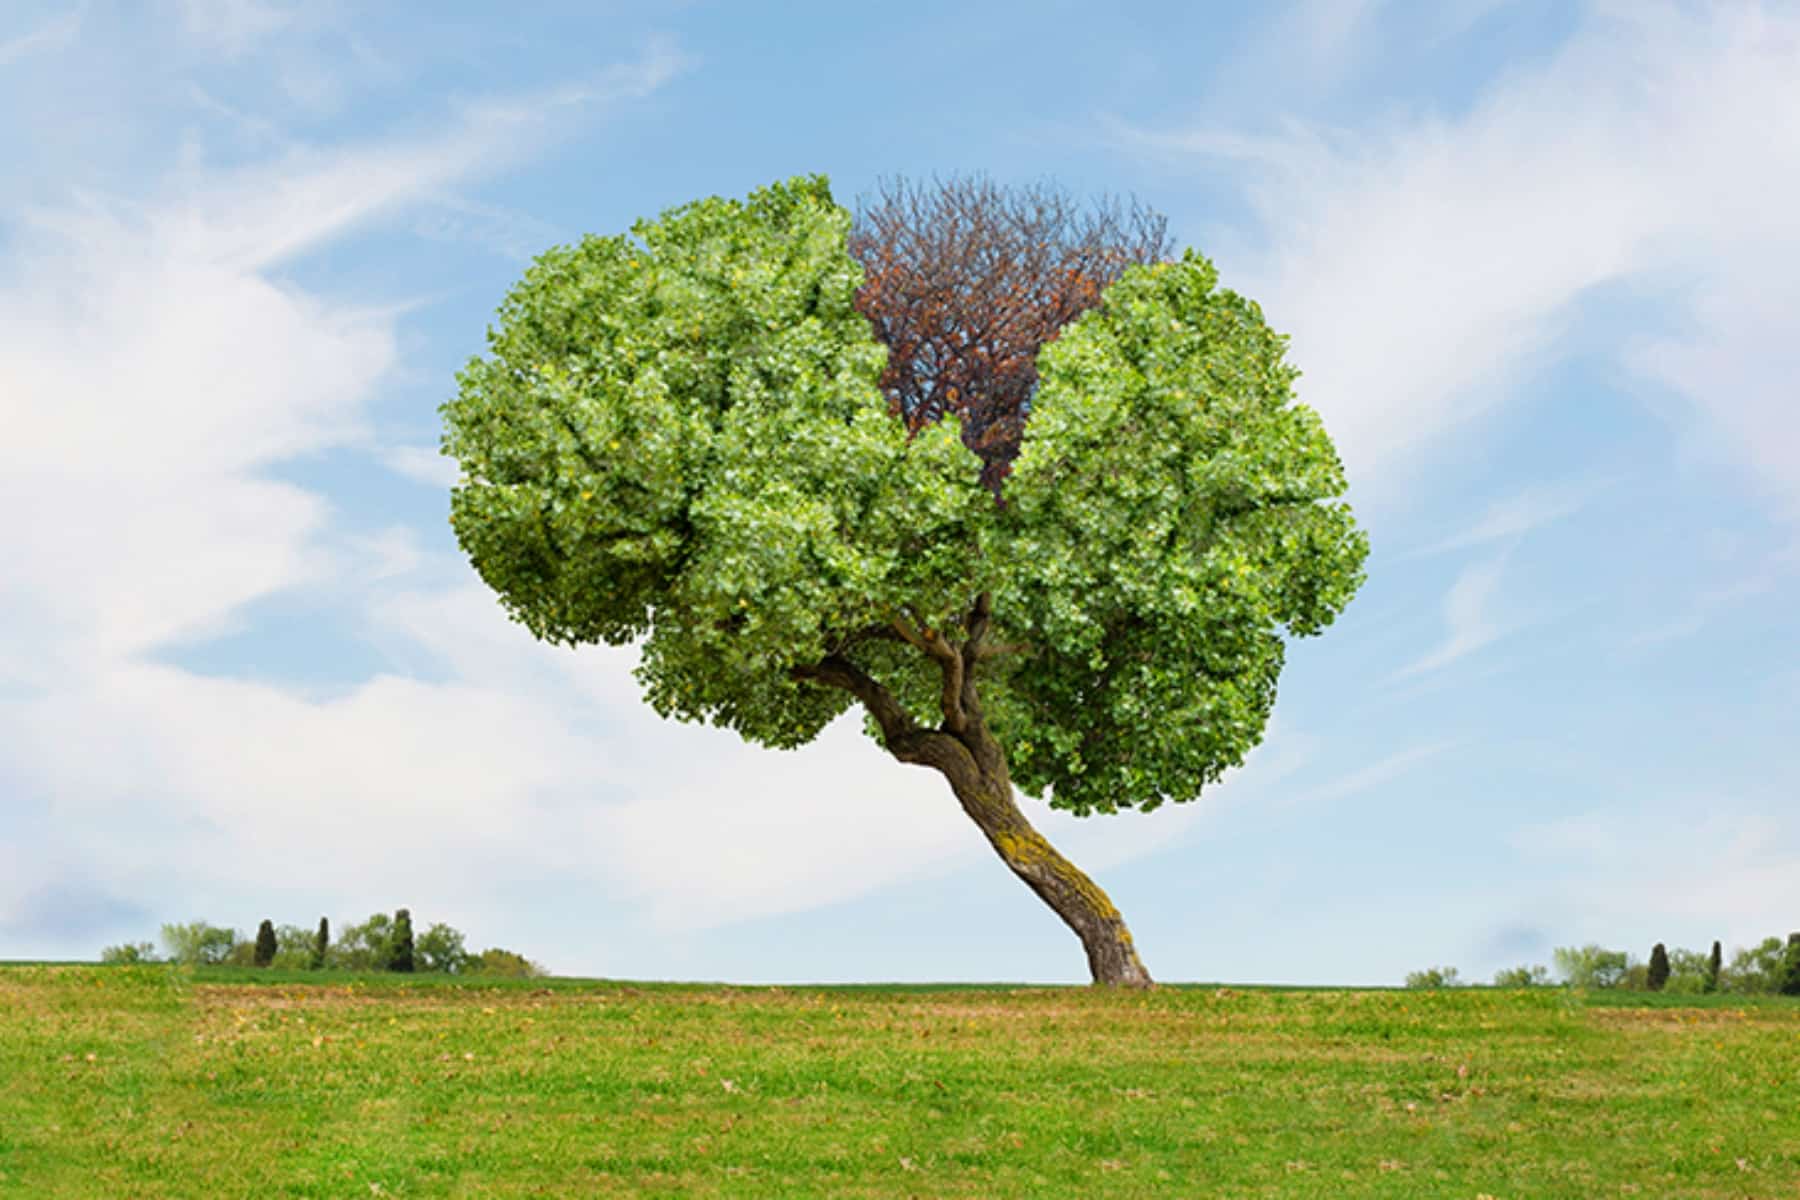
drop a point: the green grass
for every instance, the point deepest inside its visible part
(154, 1082)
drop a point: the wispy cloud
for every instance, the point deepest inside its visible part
(1750, 884)
(1469, 623)
(231, 27)
(1383, 770)
(52, 35)
(156, 370)
(1712, 602)
(1428, 269)
(1515, 516)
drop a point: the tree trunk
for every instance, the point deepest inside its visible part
(1078, 900)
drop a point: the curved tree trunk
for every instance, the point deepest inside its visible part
(967, 754)
(1077, 899)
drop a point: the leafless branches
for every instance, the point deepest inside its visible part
(967, 280)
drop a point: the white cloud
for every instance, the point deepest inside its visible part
(421, 464)
(1426, 270)
(155, 373)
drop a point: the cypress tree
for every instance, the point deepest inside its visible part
(1714, 965)
(1790, 978)
(265, 944)
(1658, 974)
(401, 946)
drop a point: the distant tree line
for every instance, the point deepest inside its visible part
(1770, 967)
(381, 943)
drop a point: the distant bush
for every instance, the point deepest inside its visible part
(1714, 964)
(381, 943)
(1656, 974)
(495, 961)
(1790, 976)
(130, 952)
(198, 944)
(1522, 977)
(1591, 966)
(1434, 977)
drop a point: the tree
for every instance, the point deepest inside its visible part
(1591, 966)
(265, 944)
(1658, 973)
(1790, 981)
(198, 943)
(321, 945)
(1715, 962)
(681, 437)
(400, 944)
(366, 947)
(1757, 969)
(441, 948)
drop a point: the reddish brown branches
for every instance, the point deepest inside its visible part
(966, 280)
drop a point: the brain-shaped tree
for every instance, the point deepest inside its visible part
(694, 436)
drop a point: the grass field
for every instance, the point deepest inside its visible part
(153, 1082)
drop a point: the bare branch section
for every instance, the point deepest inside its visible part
(967, 280)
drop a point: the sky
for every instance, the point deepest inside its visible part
(1539, 265)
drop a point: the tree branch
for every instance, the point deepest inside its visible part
(905, 740)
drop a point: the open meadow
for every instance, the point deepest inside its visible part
(164, 1082)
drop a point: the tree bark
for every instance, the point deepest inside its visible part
(1070, 893)
(967, 754)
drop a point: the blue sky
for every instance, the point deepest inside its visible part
(1538, 262)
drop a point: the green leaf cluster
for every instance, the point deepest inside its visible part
(1169, 518)
(676, 436)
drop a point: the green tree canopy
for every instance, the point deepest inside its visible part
(679, 436)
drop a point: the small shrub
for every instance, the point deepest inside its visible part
(1714, 963)
(495, 961)
(1687, 972)
(1656, 975)
(264, 953)
(1522, 977)
(293, 948)
(1434, 977)
(130, 952)
(321, 945)
(1790, 980)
